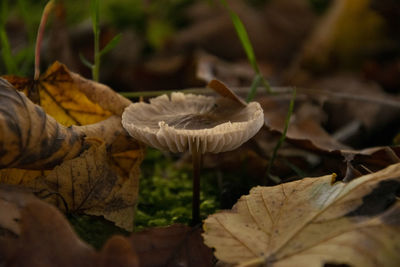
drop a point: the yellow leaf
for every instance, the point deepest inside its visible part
(311, 223)
(70, 98)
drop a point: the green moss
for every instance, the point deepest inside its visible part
(165, 192)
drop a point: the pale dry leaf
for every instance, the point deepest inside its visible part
(312, 222)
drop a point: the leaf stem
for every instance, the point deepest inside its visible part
(47, 9)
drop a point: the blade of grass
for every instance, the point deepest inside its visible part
(244, 39)
(6, 53)
(114, 41)
(247, 46)
(85, 61)
(282, 138)
(253, 89)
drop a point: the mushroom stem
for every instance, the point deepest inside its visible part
(196, 160)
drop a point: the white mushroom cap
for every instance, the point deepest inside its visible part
(188, 122)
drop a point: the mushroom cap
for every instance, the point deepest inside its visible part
(188, 122)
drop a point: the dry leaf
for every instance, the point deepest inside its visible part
(312, 222)
(61, 98)
(175, 245)
(39, 235)
(70, 98)
(89, 184)
(224, 91)
(305, 125)
(29, 138)
(28, 125)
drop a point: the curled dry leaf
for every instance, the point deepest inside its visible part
(29, 138)
(25, 125)
(312, 222)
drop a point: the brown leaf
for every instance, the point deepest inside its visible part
(224, 91)
(312, 222)
(87, 183)
(350, 108)
(41, 236)
(305, 126)
(175, 245)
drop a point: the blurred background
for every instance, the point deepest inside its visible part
(165, 42)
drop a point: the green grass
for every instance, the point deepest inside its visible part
(248, 48)
(95, 67)
(281, 139)
(7, 56)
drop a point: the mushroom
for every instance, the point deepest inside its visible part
(194, 123)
